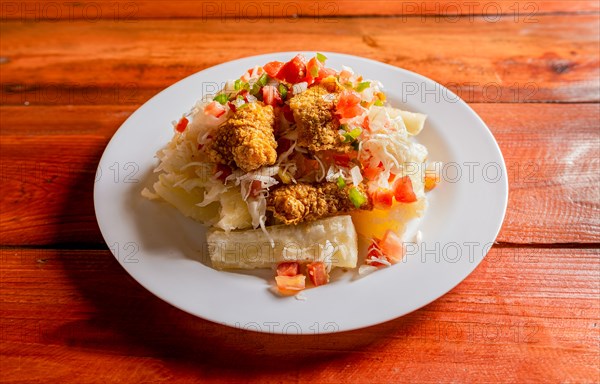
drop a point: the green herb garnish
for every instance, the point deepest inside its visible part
(362, 86)
(341, 183)
(262, 81)
(357, 197)
(321, 57)
(314, 71)
(352, 135)
(221, 98)
(283, 91)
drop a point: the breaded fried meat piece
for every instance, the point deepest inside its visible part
(246, 139)
(314, 112)
(295, 203)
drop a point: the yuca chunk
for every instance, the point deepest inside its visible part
(332, 240)
(295, 203)
(246, 139)
(314, 112)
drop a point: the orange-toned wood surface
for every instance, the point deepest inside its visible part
(69, 313)
(553, 59)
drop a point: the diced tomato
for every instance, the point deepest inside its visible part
(326, 72)
(403, 190)
(374, 252)
(255, 188)
(271, 95)
(290, 285)
(288, 114)
(294, 71)
(288, 269)
(348, 105)
(273, 68)
(392, 246)
(283, 145)
(225, 171)
(348, 98)
(382, 198)
(372, 173)
(391, 178)
(312, 70)
(317, 272)
(214, 109)
(231, 106)
(182, 124)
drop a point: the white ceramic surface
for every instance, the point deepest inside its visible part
(163, 251)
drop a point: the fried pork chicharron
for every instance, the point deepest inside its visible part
(314, 112)
(246, 139)
(295, 203)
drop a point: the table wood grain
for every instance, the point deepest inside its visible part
(71, 73)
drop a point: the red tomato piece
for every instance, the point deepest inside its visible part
(290, 285)
(326, 72)
(294, 71)
(214, 109)
(288, 269)
(392, 246)
(403, 190)
(317, 272)
(312, 70)
(348, 105)
(271, 95)
(372, 173)
(382, 198)
(182, 124)
(273, 68)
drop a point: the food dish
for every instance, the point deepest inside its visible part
(275, 154)
(159, 248)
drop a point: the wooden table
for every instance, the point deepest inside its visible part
(71, 73)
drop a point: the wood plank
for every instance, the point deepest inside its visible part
(128, 11)
(48, 160)
(554, 59)
(534, 313)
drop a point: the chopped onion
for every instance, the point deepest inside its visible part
(299, 87)
(381, 260)
(238, 102)
(357, 177)
(364, 270)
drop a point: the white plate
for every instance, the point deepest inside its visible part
(162, 250)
